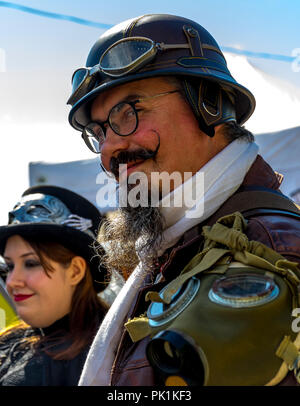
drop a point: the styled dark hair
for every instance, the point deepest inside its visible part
(87, 309)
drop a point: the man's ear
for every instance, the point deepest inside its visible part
(76, 270)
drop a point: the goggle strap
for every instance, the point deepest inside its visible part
(163, 47)
(194, 41)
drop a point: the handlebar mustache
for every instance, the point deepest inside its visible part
(125, 157)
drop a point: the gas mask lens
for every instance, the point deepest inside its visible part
(160, 314)
(243, 290)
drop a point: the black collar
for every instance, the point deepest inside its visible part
(59, 326)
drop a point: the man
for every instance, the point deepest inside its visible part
(157, 97)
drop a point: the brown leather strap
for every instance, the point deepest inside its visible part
(249, 203)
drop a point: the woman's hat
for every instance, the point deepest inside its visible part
(62, 216)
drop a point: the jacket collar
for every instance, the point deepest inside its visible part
(261, 174)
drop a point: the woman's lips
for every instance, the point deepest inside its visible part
(19, 298)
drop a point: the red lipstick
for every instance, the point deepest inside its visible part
(19, 298)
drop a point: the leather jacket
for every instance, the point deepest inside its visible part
(278, 231)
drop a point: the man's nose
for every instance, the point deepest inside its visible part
(112, 146)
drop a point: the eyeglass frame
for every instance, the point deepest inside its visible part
(101, 124)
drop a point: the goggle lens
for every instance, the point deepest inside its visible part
(78, 78)
(83, 81)
(123, 57)
(126, 55)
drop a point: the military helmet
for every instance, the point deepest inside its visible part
(162, 45)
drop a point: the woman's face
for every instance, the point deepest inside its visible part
(40, 299)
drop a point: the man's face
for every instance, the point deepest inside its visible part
(166, 124)
(166, 121)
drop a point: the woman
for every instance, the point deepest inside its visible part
(7, 308)
(54, 278)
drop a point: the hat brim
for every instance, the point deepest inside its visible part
(77, 241)
(245, 101)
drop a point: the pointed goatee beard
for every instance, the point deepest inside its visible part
(121, 230)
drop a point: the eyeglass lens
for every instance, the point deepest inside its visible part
(122, 120)
(93, 136)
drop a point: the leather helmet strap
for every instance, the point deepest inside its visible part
(209, 103)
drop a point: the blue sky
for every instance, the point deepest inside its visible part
(46, 51)
(270, 26)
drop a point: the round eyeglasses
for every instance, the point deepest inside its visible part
(122, 119)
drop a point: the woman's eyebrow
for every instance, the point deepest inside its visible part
(21, 256)
(28, 253)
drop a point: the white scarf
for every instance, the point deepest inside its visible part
(222, 176)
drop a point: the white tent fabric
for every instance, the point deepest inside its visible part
(277, 101)
(280, 149)
(84, 177)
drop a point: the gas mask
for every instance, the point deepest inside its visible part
(227, 318)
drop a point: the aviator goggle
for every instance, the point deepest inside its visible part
(123, 57)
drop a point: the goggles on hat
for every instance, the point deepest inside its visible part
(123, 57)
(40, 208)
